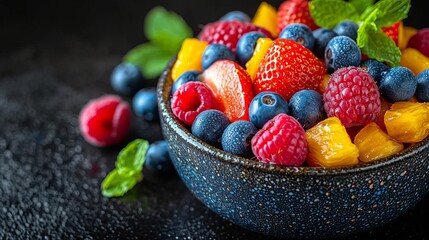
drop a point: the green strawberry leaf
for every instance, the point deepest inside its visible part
(328, 13)
(380, 47)
(119, 181)
(361, 5)
(150, 58)
(133, 155)
(166, 29)
(128, 171)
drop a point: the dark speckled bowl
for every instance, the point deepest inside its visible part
(294, 202)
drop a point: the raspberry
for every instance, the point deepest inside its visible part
(191, 99)
(281, 141)
(352, 95)
(105, 121)
(420, 41)
(228, 32)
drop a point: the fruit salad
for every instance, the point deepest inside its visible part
(301, 85)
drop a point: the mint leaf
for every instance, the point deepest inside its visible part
(166, 29)
(361, 5)
(133, 155)
(128, 171)
(391, 11)
(380, 47)
(150, 58)
(366, 28)
(328, 13)
(119, 181)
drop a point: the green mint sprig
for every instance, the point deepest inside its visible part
(370, 17)
(165, 31)
(128, 169)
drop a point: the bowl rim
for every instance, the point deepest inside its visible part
(164, 97)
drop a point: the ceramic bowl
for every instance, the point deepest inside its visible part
(294, 202)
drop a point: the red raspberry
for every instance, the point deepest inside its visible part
(281, 141)
(191, 99)
(105, 121)
(420, 41)
(352, 95)
(228, 32)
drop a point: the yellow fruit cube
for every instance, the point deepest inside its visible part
(261, 48)
(329, 145)
(405, 33)
(375, 144)
(414, 60)
(189, 57)
(407, 122)
(266, 17)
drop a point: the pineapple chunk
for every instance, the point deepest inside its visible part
(375, 144)
(329, 145)
(408, 122)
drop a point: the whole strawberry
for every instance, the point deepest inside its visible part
(352, 95)
(420, 41)
(287, 68)
(228, 32)
(281, 141)
(294, 11)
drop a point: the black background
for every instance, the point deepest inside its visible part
(54, 57)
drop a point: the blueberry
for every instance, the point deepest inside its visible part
(236, 138)
(347, 28)
(246, 46)
(235, 15)
(214, 52)
(126, 79)
(422, 91)
(209, 126)
(340, 52)
(158, 159)
(145, 104)
(265, 106)
(398, 84)
(188, 76)
(307, 107)
(300, 33)
(375, 68)
(321, 38)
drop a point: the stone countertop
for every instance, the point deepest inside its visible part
(53, 59)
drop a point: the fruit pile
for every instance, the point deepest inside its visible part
(296, 86)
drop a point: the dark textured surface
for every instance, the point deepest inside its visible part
(54, 57)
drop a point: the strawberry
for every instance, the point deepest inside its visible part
(228, 32)
(232, 88)
(393, 31)
(294, 11)
(287, 68)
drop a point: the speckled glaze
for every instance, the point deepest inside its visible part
(298, 202)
